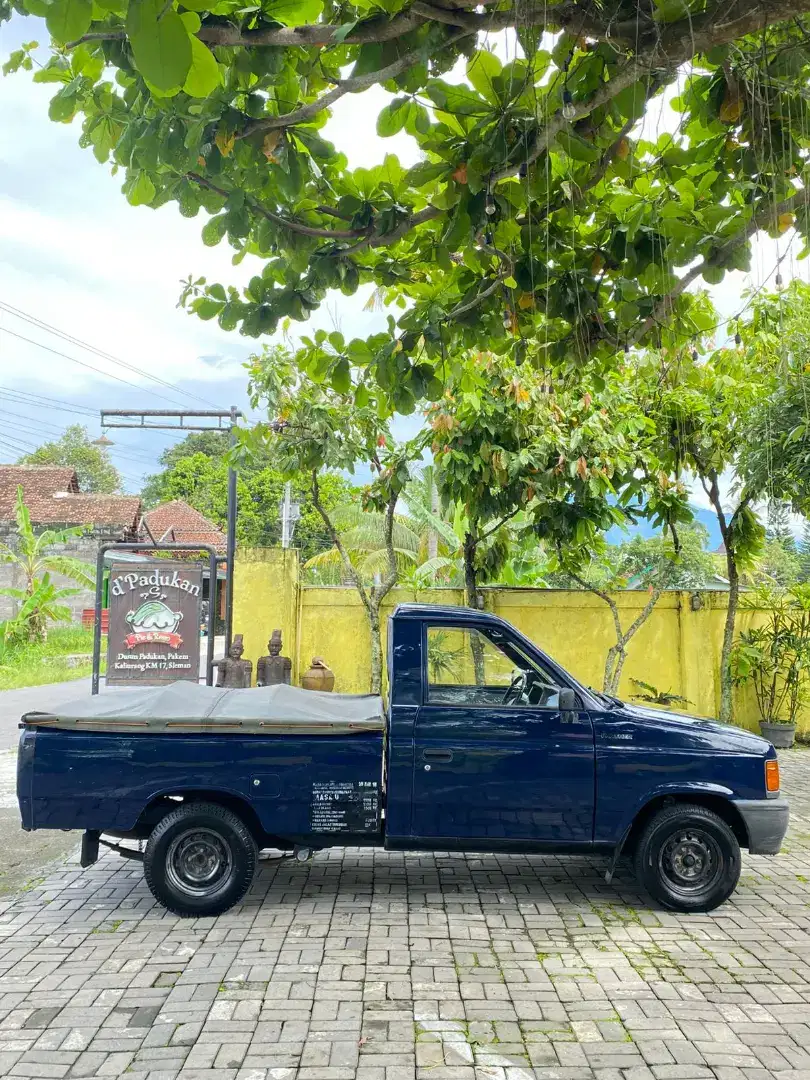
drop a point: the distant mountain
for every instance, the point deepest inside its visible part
(706, 517)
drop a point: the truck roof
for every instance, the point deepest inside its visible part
(442, 611)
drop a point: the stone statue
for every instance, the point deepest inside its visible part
(234, 673)
(274, 669)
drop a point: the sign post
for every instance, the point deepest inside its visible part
(154, 622)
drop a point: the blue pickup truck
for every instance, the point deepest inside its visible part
(486, 745)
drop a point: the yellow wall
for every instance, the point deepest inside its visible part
(265, 598)
(676, 650)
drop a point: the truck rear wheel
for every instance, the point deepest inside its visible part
(688, 858)
(200, 859)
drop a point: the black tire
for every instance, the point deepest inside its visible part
(200, 859)
(688, 858)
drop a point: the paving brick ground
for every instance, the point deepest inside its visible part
(367, 965)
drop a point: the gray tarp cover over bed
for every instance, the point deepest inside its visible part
(184, 706)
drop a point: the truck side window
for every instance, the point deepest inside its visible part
(465, 667)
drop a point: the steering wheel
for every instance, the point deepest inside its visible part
(516, 688)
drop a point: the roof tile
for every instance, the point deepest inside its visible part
(52, 496)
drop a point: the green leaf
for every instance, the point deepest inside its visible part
(630, 102)
(482, 69)
(69, 19)
(713, 275)
(343, 32)
(139, 189)
(293, 12)
(426, 172)
(191, 21)
(392, 117)
(206, 309)
(576, 147)
(204, 75)
(161, 45)
(214, 230)
(64, 104)
(341, 376)
(459, 100)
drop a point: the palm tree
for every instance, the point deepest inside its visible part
(362, 533)
(35, 561)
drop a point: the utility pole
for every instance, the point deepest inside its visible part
(285, 516)
(230, 550)
(290, 513)
(161, 420)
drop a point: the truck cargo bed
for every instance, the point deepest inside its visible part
(327, 790)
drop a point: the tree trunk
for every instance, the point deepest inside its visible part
(726, 685)
(470, 587)
(711, 486)
(614, 662)
(471, 590)
(433, 536)
(375, 685)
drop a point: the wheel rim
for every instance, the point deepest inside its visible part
(199, 863)
(690, 861)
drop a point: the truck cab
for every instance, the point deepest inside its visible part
(486, 745)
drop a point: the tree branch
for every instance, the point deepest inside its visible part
(642, 616)
(334, 536)
(494, 528)
(759, 221)
(278, 219)
(379, 592)
(352, 85)
(378, 30)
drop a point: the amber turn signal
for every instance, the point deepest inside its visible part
(772, 775)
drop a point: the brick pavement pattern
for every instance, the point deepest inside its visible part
(370, 965)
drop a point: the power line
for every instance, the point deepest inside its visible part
(130, 455)
(81, 363)
(24, 447)
(26, 398)
(34, 321)
(38, 401)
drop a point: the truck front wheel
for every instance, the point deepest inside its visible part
(200, 859)
(688, 858)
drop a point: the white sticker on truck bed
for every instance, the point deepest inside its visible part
(351, 807)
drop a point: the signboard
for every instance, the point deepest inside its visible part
(154, 634)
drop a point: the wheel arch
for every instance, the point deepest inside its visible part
(160, 805)
(718, 803)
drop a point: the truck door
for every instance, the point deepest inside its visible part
(495, 758)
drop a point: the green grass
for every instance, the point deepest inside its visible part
(36, 665)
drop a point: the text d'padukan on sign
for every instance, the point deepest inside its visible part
(154, 634)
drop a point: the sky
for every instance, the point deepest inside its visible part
(76, 256)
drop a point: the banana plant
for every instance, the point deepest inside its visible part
(33, 557)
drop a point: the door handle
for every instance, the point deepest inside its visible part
(437, 755)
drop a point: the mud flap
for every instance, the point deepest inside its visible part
(89, 847)
(617, 851)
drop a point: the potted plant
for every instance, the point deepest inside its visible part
(775, 659)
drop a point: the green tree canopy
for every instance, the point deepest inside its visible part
(542, 217)
(312, 427)
(196, 470)
(644, 561)
(776, 457)
(95, 471)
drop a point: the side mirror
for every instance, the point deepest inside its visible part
(568, 700)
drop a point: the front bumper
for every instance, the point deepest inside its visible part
(766, 821)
